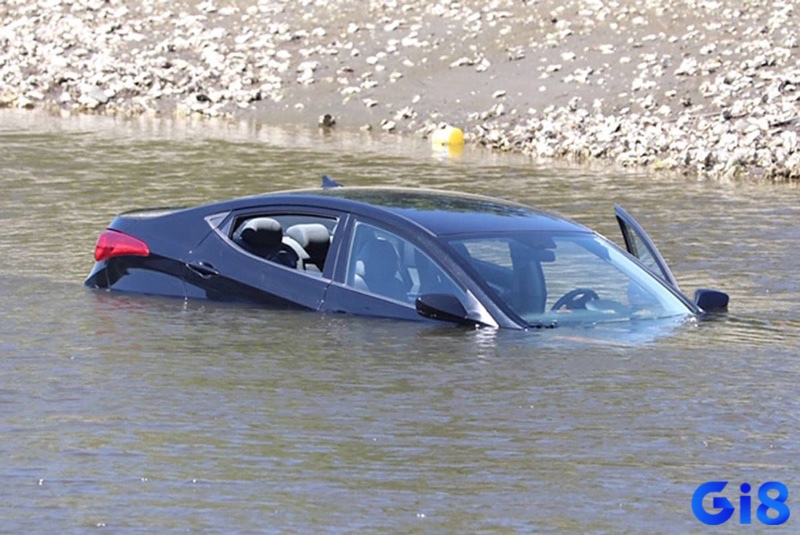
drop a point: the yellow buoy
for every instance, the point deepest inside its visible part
(448, 138)
(448, 135)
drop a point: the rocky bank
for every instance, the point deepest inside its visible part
(706, 87)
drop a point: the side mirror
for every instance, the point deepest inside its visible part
(711, 300)
(444, 307)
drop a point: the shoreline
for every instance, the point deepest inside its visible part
(708, 88)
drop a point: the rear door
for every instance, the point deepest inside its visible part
(642, 247)
(221, 269)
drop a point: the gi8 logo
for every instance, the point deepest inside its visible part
(726, 509)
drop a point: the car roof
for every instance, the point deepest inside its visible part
(441, 212)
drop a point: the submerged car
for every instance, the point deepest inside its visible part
(395, 253)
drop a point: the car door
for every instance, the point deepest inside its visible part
(222, 268)
(381, 273)
(642, 247)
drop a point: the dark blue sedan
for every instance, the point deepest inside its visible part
(395, 253)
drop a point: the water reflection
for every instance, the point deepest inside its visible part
(161, 415)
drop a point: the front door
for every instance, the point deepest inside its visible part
(642, 247)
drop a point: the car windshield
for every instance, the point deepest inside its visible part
(557, 278)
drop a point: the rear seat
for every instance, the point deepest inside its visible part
(263, 236)
(315, 239)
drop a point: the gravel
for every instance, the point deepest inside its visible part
(699, 87)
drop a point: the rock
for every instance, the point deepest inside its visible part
(327, 120)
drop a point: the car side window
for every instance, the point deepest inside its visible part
(383, 263)
(295, 241)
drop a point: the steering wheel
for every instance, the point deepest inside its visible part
(575, 299)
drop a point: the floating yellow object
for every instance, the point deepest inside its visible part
(448, 135)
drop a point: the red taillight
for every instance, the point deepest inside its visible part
(113, 243)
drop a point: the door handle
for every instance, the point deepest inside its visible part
(203, 269)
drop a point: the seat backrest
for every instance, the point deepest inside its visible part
(381, 264)
(261, 236)
(314, 238)
(530, 291)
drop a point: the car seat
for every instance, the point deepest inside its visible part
(263, 237)
(315, 239)
(377, 270)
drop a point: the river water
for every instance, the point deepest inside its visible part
(147, 415)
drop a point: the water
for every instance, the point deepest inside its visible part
(147, 415)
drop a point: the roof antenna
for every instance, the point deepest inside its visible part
(328, 183)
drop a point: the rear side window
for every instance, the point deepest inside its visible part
(295, 241)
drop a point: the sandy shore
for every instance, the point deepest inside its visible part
(704, 87)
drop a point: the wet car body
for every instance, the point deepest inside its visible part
(396, 253)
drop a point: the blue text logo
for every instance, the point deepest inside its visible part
(724, 509)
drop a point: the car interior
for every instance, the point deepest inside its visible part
(513, 270)
(385, 264)
(377, 269)
(380, 263)
(296, 241)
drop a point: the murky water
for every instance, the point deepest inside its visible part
(154, 415)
